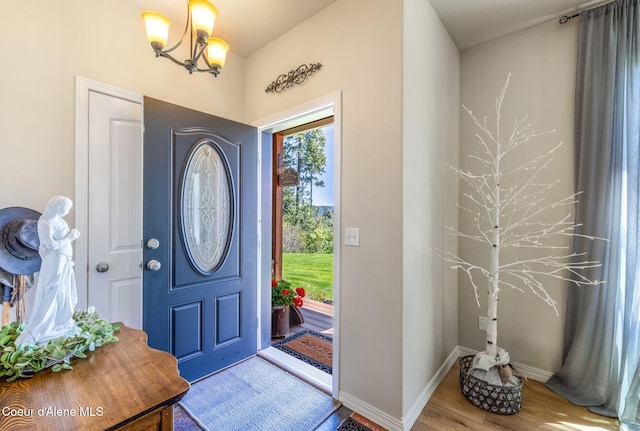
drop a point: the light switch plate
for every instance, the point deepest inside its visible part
(482, 323)
(352, 236)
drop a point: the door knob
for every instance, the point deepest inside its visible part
(102, 267)
(153, 244)
(153, 265)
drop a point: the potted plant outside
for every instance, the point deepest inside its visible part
(283, 296)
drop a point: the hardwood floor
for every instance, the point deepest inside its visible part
(449, 410)
(335, 420)
(542, 409)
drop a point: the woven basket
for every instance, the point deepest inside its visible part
(502, 400)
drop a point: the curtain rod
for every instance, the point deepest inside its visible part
(565, 18)
(585, 6)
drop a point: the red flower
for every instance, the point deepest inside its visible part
(300, 292)
(285, 292)
(297, 301)
(274, 282)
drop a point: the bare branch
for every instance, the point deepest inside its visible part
(465, 266)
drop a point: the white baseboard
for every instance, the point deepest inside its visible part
(370, 412)
(392, 423)
(401, 424)
(426, 393)
(530, 372)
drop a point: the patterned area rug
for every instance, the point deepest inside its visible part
(311, 347)
(352, 425)
(256, 395)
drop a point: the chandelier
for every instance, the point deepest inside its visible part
(201, 17)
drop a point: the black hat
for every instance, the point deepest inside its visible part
(19, 240)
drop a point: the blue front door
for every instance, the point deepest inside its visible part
(200, 233)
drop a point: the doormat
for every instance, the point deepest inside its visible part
(352, 425)
(311, 347)
(256, 395)
(357, 422)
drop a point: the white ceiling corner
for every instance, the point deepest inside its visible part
(248, 25)
(474, 22)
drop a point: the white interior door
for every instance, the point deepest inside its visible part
(114, 237)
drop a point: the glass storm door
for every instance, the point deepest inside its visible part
(200, 237)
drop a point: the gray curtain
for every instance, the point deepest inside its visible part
(601, 367)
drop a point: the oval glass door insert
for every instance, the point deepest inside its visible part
(207, 207)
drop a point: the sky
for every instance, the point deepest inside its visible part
(324, 196)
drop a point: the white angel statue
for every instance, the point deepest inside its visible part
(55, 296)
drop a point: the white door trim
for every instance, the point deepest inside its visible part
(81, 203)
(272, 123)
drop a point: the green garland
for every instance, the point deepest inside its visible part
(22, 361)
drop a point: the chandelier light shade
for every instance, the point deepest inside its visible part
(200, 21)
(217, 51)
(203, 16)
(157, 29)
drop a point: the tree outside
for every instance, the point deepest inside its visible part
(307, 229)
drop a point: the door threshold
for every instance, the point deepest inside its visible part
(308, 373)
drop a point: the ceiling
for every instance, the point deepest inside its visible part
(473, 22)
(248, 25)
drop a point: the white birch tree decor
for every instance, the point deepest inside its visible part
(506, 202)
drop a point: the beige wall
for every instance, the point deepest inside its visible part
(45, 45)
(398, 319)
(350, 39)
(431, 76)
(542, 63)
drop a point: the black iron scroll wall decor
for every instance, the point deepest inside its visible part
(297, 76)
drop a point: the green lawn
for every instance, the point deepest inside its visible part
(314, 272)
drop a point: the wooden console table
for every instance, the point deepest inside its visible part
(120, 386)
